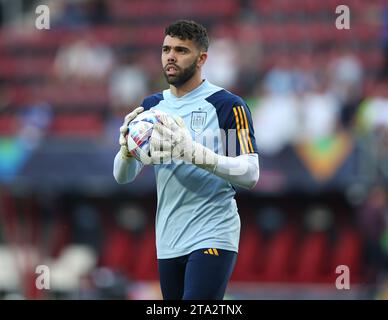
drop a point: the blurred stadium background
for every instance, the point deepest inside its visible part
(319, 99)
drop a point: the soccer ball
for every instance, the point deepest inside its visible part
(140, 131)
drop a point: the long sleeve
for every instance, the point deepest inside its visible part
(125, 171)
(242, 171)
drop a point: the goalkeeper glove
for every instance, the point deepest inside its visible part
(125, 153)
(172, 140)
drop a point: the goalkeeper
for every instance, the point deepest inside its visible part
(197, 221)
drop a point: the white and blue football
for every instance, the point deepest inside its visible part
(140, 131)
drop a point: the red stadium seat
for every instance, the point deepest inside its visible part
(22, 67)
(146, 267)
(348, 252)
(119, 252)
(59, 95)
(250, 255)
(280, 252)
(172, 8)
(35, 40)
(310, 261)
(77, 125)
(319, 32)
(61, 237)
(263, 8)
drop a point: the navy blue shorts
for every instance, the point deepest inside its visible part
(202, 274)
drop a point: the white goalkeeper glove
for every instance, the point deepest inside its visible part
(125, 153)
(171, 140)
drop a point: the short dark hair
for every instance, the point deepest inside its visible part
(191, 30)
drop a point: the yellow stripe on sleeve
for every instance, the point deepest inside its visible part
(238, 130)
(243, 130)
(210, 251)
(215, 251)
(249, 136)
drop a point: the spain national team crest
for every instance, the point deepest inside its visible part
(198, 121)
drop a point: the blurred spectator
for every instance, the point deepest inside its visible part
(276, 122)
(250, 55)
(373, 219)
(222, 67)
(149, 62)
(319, 113)
(132, 218)
(346, 75)
(34, 122)
(98, 11)
(31, 127)
(280, 79)
(372, 126)
(246, 10)
(87, 228)
(384, 71)
(84, 60)
(270, 220)
(70, 14)
(373, 112)
(304, 73)
(346, 82)
(318, 219)
(79, 14)
(109, 284)
(128, 85)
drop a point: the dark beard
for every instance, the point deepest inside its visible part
(181, 79)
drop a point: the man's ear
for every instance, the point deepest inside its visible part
(202, 59)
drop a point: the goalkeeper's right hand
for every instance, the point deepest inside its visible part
(125, 153)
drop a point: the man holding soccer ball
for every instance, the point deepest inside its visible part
(197, 221)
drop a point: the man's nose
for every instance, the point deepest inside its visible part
(171, 57)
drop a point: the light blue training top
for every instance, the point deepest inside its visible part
(196, 209)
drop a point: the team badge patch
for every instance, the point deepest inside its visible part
(198, 121)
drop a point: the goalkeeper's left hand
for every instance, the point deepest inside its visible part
(124, 151)
(171, 140)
